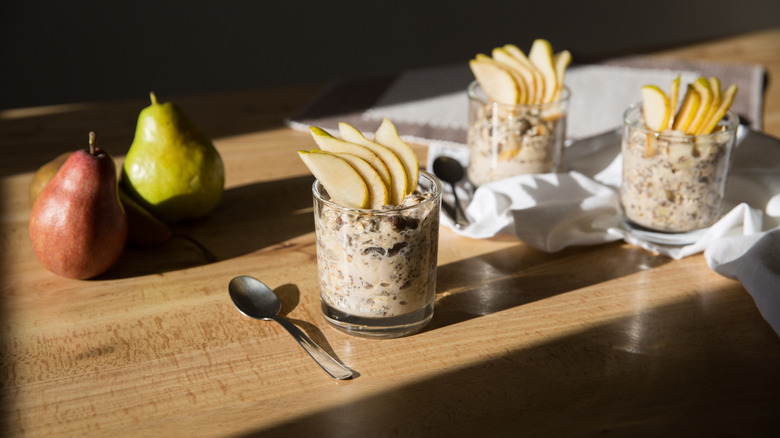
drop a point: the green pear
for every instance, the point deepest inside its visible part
(172, 169)
(77, 226)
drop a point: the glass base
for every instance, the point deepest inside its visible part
(662, 237)
(378, 328)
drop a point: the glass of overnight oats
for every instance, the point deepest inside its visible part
(674, 176)
(508, 140)
(377, 267)
(517, 112)
(376, 221)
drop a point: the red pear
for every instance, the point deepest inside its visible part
(78, 228)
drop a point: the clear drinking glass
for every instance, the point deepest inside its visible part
(508, 140)
(377, 268)
(673, 184)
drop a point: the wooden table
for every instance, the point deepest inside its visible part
(603, 340)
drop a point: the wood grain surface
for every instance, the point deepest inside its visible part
(605, 340)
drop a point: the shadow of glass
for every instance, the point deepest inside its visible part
(248, 218)
(623, 377)
(521, 274)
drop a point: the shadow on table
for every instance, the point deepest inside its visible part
(522, 274)
(641, 375)
(249, 218)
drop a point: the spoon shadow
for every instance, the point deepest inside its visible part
(289, 295)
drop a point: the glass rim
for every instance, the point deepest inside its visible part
(437, 191)
(474, 85)
(731, 124)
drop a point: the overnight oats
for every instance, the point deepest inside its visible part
(377, 267)
(508, 140)
(673, 182)
(517, 112)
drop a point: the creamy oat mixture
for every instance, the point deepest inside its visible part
(672, 182)
(378, 265)
(509, 143)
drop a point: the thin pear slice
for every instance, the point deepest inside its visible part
(702, 87)
(399, 180)
(499, 85)
(330, 143)
(523, 75)
(388, 136)
(561, 61)
(378, 193)
(717, 97)
(344, 184)
(725, 104)
(655, 108)
(538, 79)
(687, 110)
(674, 94)
(541, 55)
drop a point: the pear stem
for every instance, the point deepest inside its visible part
(153, 97)
(91, 142)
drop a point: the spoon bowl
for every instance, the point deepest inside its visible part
(255, 299)
(450, 170)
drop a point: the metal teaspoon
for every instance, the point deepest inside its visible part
(256, 300)
(450, 170)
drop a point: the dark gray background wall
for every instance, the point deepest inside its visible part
(72, 51)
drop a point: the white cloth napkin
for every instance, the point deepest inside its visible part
(753, 260)
(580, 207)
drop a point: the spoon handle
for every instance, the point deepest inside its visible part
(460, 215)
(328, 363)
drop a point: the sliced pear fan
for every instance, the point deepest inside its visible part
(511, 77)
(703, 106)
(387, 135)
(344, 184)
(541, 55)
(399, 181)
(499, 85)
(655, 108)
(329, 143)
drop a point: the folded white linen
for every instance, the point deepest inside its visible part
(753, 260)
(581, 207)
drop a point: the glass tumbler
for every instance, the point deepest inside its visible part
(673, 184)
(377, 268)
(507, 140)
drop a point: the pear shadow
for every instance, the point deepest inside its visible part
(248, 218)
(521, 275)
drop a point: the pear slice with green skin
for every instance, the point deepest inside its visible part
(702, 87)
(523, 75)
(344, 184)
(541, 55)
(387, 135)
(561, 61)
(674, 94)
(399, 180)
(329, 143)
(378, 193)
(655, 108)
(538, 79)
(687, 110)
(725, 104)
(499, 85)
(717, 97)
